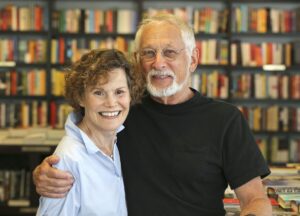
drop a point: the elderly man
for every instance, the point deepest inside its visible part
(179, 150)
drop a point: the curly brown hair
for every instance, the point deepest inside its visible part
(97, 64)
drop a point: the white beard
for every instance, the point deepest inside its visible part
(168, 91)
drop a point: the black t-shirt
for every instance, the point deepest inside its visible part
(178, 159)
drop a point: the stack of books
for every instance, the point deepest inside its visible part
(282, 188)
(283, 185)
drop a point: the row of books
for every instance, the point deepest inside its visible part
(272, 117)
(23, 50)
(65, 50)
(203, 20)
(26, 114)
(210, 20)
(246, 18)
(212, 84)
(23, 114)
(57, 82)
(23, 18)
(212, 51)
(247, 85)
(278, 149)
(262, 85)
(32, 136)
(258, 54)
(207, 19)
(122, 21)
(15, 187)
(58, 114)
(25, 82)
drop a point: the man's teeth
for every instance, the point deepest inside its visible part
(161, 76)
(110, 114)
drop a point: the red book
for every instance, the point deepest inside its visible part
(253, 53)
(38, 14)
(235, 201)
(13, 83)
(258, 55)
(53, 115)
(61, 45)
(269, 53)
(109, 20)
(231, 201)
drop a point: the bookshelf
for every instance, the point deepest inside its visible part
(16, 174)
(267, 33)
(34, 55)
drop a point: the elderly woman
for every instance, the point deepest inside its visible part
(100, 87)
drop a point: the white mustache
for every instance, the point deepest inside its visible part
(161, 73)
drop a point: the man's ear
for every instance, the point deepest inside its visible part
(194, 59)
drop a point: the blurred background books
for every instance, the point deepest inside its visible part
(282, 188)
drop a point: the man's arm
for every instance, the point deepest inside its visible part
(253, 199)
(51, 182)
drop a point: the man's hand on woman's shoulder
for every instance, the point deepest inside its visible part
(49, 181)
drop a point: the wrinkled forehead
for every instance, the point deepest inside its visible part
(160, 34)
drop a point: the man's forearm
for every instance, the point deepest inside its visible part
(257, 207)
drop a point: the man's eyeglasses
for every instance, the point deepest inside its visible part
(168, 53)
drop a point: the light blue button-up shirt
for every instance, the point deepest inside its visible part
(98, 188)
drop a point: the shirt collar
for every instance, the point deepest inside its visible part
(74, 131)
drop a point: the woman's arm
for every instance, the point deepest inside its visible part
(69, 204)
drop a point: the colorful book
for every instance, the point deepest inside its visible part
(284, 200)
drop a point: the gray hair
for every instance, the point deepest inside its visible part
(187, 32)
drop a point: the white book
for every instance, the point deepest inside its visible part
(24, 19)
(204, 48)
(273, 86)
(264, 53)
(214, 22)
(260, 86)
(212, 50)
(14, 18)
(246, 58)
(233, 59)
(86, 21)
(285, 87)
(124, 17)
(274, 15)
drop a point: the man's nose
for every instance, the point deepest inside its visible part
(159, 61)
